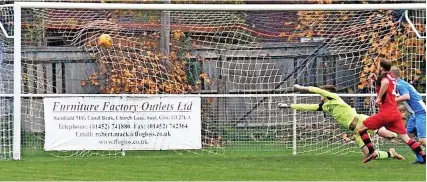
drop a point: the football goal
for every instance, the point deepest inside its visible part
(86, 79)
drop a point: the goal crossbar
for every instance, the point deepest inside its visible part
(222, 7)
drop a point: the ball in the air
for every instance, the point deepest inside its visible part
(105, 40)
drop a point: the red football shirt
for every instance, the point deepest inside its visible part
(388, 101)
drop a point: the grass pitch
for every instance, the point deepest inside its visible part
(164, 165)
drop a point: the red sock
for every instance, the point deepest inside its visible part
(415, 147)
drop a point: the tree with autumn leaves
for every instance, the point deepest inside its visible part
(402, 47)
(134, 64)
(381, 34)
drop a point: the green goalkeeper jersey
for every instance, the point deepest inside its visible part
(340, 111)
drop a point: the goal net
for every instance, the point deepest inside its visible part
(241, 63)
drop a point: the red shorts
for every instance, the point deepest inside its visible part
(391, 120)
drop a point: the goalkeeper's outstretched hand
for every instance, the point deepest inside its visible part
(299, 87)
(283, 105)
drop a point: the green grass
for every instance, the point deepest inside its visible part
(164, 165)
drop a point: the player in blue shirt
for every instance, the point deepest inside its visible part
(414, 103)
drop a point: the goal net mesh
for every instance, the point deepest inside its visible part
(212, 52)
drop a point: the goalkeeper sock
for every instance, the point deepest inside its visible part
(367, 140)
(384, 155)
(415, 146)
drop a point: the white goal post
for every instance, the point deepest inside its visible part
(18, 6)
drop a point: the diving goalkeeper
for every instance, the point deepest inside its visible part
(345, 115)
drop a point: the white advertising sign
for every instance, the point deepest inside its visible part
(114, 123)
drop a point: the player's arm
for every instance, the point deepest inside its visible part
(316, 90)
(404, 93)
(383, 89)
(404, 97)
(302, 107)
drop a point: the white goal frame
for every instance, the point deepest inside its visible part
(17, 6)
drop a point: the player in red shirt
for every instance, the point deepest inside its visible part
(388, 115)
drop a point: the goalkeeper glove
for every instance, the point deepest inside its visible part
(299, 87)
(283, 105)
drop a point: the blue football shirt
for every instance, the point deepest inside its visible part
(415, 104)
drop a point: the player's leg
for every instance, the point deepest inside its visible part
(373, 122)
(415, 147)
(420, 122)
(410, 125)
(365, 150)
(411, 128)
(398, 127)
(381, 154)
(420, 132)
(360, 142)
(383, 132)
